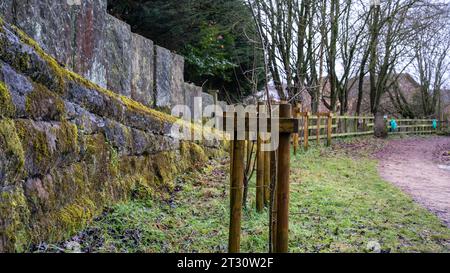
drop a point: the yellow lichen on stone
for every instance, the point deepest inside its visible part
(139, 187)
(11, 145)
(35, 139)
(7, 108)
(67, 138)
(77, 215)
(193, 152)
(43, 104)
(14, 213)
(53, 64)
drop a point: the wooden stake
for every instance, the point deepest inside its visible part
(259, 171)
(329, 128)
(295, 135)
(237, 184)
(231, 159)
(318, 129)
(266, 177)
(306, 132)
(273, 178)
(283, 185)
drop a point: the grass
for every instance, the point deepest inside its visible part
(338, 204)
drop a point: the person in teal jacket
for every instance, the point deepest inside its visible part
(393, 125)
(434, 124)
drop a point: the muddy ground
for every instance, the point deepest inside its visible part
(420, 167)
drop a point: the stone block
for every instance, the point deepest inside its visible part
(142, 70)
(118, 56)
(169, 78)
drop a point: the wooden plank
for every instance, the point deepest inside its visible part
(314, 127)
(352, 134)
(285, 125)
(413, 126)
(423, 132)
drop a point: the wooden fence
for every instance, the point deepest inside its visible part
(413, 126)
(327, 126)
(273, 167)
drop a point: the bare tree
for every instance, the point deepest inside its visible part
(289, 34)
(431, 59)
(429, 47)
(390, 37)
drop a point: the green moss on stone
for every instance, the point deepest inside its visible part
(77, 215)
(43, 104)
(53, 64)
(35, 140)
(139, 187)
(193, 152)
(14, 214)
(7, 108)
(67, 138)
(11, 145)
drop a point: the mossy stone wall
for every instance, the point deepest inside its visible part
(69, 148)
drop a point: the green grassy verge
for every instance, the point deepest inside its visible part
(338, 204)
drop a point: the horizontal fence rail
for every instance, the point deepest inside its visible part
(320, 126)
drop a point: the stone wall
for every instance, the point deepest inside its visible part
(69, 147)
(101, 48)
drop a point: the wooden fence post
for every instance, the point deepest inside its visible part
(318, 129)
(236, 190)
(364, 124)
(329, 128)
(273, 177)
(259, 169)
(295, 135)
(306, 131)
(283, 185)
(266, 177)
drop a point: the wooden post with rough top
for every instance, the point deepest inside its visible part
(283, 185)
(236, 190)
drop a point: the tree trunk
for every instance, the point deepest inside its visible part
(380, 126)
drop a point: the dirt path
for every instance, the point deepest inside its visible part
(419, 167)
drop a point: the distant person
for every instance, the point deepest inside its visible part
(434, 124)
(394, 126)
